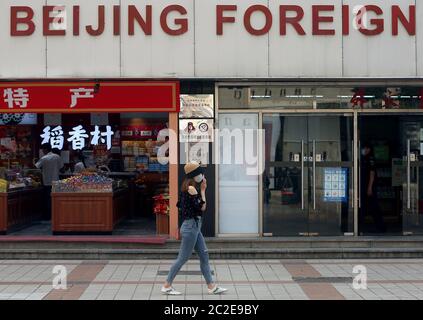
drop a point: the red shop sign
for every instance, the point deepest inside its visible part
(77, 97)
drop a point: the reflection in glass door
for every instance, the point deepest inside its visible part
(307, 183)
(392, 153)
(411, 133)
(285, 178)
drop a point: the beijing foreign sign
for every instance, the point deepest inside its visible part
(369, 19)
(80, 97)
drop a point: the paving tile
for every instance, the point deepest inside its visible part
(245, 279)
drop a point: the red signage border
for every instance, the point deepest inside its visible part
(89, 96)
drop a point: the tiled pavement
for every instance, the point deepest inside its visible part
(245, 279)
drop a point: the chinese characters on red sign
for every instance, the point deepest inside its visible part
(90, 97)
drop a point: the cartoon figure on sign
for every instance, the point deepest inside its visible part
(190, 127)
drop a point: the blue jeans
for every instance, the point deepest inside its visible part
(192, 238)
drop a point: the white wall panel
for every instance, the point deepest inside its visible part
(234, 54)
(84, 55)
(419, 38)
(200, 53)
(21, 57)
(383, 55)
(296, 55)
(158, 55)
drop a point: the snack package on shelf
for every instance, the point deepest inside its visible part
(141, 163)
(3, 185)
(86, 182)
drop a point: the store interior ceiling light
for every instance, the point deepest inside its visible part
(303, 96)
(260, 97)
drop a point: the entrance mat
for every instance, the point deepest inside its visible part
(323, 279)
(182, 273)
(92, 239)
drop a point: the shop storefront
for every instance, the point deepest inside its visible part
(306, 115)
(111, 141)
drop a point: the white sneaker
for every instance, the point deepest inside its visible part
(217, 290)
(170, 291)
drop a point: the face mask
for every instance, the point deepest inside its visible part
(199, 178)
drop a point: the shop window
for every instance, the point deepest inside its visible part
(111, 182)
(321, 97)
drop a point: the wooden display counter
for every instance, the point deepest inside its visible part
(88, 212)
(19, 208)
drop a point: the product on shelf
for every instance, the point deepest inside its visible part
(86, 182)
(16, 146)
(18, 179)
(3, 185)
(141, 155)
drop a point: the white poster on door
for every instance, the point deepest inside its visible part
(238, 191)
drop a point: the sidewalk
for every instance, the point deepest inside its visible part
(245, 279)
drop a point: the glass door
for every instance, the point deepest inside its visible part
(391, 174)
(307, 182)
(331, 209)
(412, 206)
(285, 177)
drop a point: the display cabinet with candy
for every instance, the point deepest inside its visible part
(86, 182)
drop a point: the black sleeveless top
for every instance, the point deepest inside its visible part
(190, 206)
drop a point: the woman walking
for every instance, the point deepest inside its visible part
(192, 205)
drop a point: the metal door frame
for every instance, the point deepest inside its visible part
(354, 112)
(300, 112)
(334, 113)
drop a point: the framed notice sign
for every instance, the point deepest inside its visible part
(197, 106)
(194, 130)
(335, 184)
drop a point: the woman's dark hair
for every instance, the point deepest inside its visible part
(368, 145)
(187, 183)
(56, 151)
(46, 147)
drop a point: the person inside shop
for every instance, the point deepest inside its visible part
(368, 190)
(105, 166)
(51, 165)
(192, 205)
(79, 163)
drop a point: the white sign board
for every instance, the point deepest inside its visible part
(211, 39)
(197, 106)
